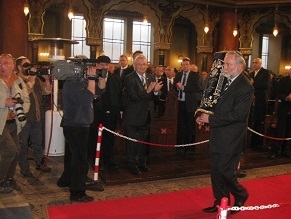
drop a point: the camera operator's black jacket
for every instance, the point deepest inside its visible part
(109, 101)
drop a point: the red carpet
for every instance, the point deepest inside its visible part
(185, 204)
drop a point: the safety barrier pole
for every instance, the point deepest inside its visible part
(223, 208)
(97, 185)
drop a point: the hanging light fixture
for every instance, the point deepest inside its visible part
(235, 31)
(70, 12)
(275, 29)
(145, 20)
(206, 26)
(26, 8)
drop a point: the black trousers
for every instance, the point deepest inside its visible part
(283, 131)
(185, 129)
(75, 159)
(136, 152)
(108, 120)
(223, 178)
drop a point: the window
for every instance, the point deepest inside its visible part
(141, 38)
(79, 34)
(113, 38)
(265, 51)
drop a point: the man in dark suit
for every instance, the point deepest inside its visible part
(119, 75)
(130, 68)
(283, 113)
(107, 113)
(140, 89)
(261, 81)
(228, 132)
(188, 85)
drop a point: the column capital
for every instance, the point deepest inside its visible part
(163, 46)
(204, 49)
(245, 51)
(93, 41)
(34, 36)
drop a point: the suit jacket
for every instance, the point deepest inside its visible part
(228, 125)
(137, 100)
(192, 89)
(284, 89)
(261, 85)
(110, 100)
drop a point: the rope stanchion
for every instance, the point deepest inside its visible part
(222, 209)
(97, 185)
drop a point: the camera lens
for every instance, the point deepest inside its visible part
(19, 112)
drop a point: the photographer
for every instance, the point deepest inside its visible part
(36, 85)
(11, 121)
(78, 95)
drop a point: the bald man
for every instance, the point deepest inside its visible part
(260, 77)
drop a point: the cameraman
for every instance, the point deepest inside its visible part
(36, 85)
(78, 95)
(10, 86)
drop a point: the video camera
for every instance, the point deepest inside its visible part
(73, 68)
(39, 69)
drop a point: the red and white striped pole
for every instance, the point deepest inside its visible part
(97, 155)
(223, 208)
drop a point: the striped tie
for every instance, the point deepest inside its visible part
(227, 84)
(144, 83)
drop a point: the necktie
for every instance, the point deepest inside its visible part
(144, 83)
(170, 84)
(121, 72)
(227, 84)
(183, 83)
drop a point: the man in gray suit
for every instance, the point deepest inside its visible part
(228, 132)
(140, 91)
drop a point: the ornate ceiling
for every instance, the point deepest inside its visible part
(240, 3)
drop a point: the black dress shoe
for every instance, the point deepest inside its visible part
(211, 209)
(239, 202)
(81, 198)
(134, 170)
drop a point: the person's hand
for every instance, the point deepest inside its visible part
(10, 102)
(199, 122)
(91, 70)
(151, 86)
(158, 86)
(180, 86)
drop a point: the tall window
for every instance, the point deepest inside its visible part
(79, 34)
(141, 38)
(265, 51)
(113, 38)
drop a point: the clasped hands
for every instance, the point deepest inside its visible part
(203, 118)
(154, 86)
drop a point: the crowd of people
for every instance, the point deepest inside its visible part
(132, 95)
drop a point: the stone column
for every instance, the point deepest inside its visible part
(161, 48)
(227, 23)
(94, 43)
